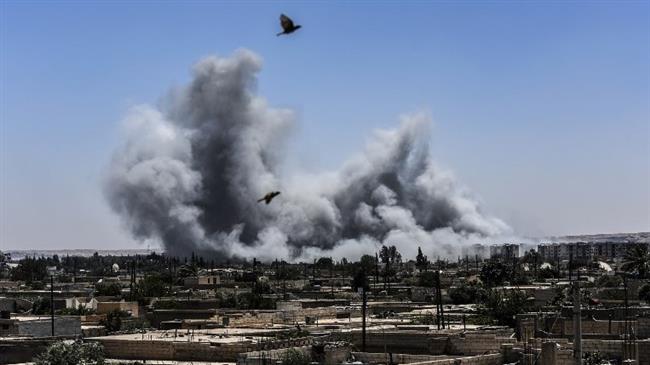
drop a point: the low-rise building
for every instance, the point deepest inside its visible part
(34, 326)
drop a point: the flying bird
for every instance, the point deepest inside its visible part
(268, 197)
(287, 25)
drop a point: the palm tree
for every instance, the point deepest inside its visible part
(637, 260)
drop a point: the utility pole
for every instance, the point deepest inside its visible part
(364, 304)
(439, 308)
(376, 270)
(52, 302)
(332, 277)
(577, 324)
(132, 280)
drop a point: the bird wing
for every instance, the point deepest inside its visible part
(286, 22)
(261, 200)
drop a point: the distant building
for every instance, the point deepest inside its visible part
(129, 307)
(202, 281)
(475, 250)
(505, 251)
(81, 302)
(584, 251)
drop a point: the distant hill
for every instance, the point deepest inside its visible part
(639, 237)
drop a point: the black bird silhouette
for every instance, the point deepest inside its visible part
(268, 197)
(287, 25)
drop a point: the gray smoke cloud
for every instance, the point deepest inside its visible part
(190, 172)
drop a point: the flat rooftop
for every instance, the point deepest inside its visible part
(215, 335)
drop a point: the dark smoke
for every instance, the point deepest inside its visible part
(190, 172)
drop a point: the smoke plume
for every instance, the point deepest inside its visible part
(191, 170)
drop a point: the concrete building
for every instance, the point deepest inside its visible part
(584, 251)
(32, 326)
(202, 281)
(129, 307)
(505, 251)
(477, 249)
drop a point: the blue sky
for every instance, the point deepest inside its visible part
(542, 109)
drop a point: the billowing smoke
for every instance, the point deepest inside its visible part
(191, 170)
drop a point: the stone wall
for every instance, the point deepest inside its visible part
(597, 327)
(63, 326)
(491, 359)
(554, 354)
(268, 357)
(253, 318)
(383, 358)
(643, 327)
(477, 343)
(644, 352)
(432, 343)
(144, 349)
(22, 350)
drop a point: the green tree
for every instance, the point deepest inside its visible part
(324, 262)
(467, 294)
(360, 280)
(367, 263)
(494, 274)
(188, 270)
(503, 306)
(76, 353)
(113, 321)
(644, 293)
(108, 289)
(30, 269)
(41, 305)
(427, 279)
(421, 260)
(608, 281)
(390, 257)
(151, 286)
(637, 260)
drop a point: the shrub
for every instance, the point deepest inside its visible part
(113, 321)
(76, 353)
(593, 358)
(295, 357)
(108, 289)
(41, 306)
(467, 294)
(607, 281)
(427, 279)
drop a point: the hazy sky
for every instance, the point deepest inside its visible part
(542, 109)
